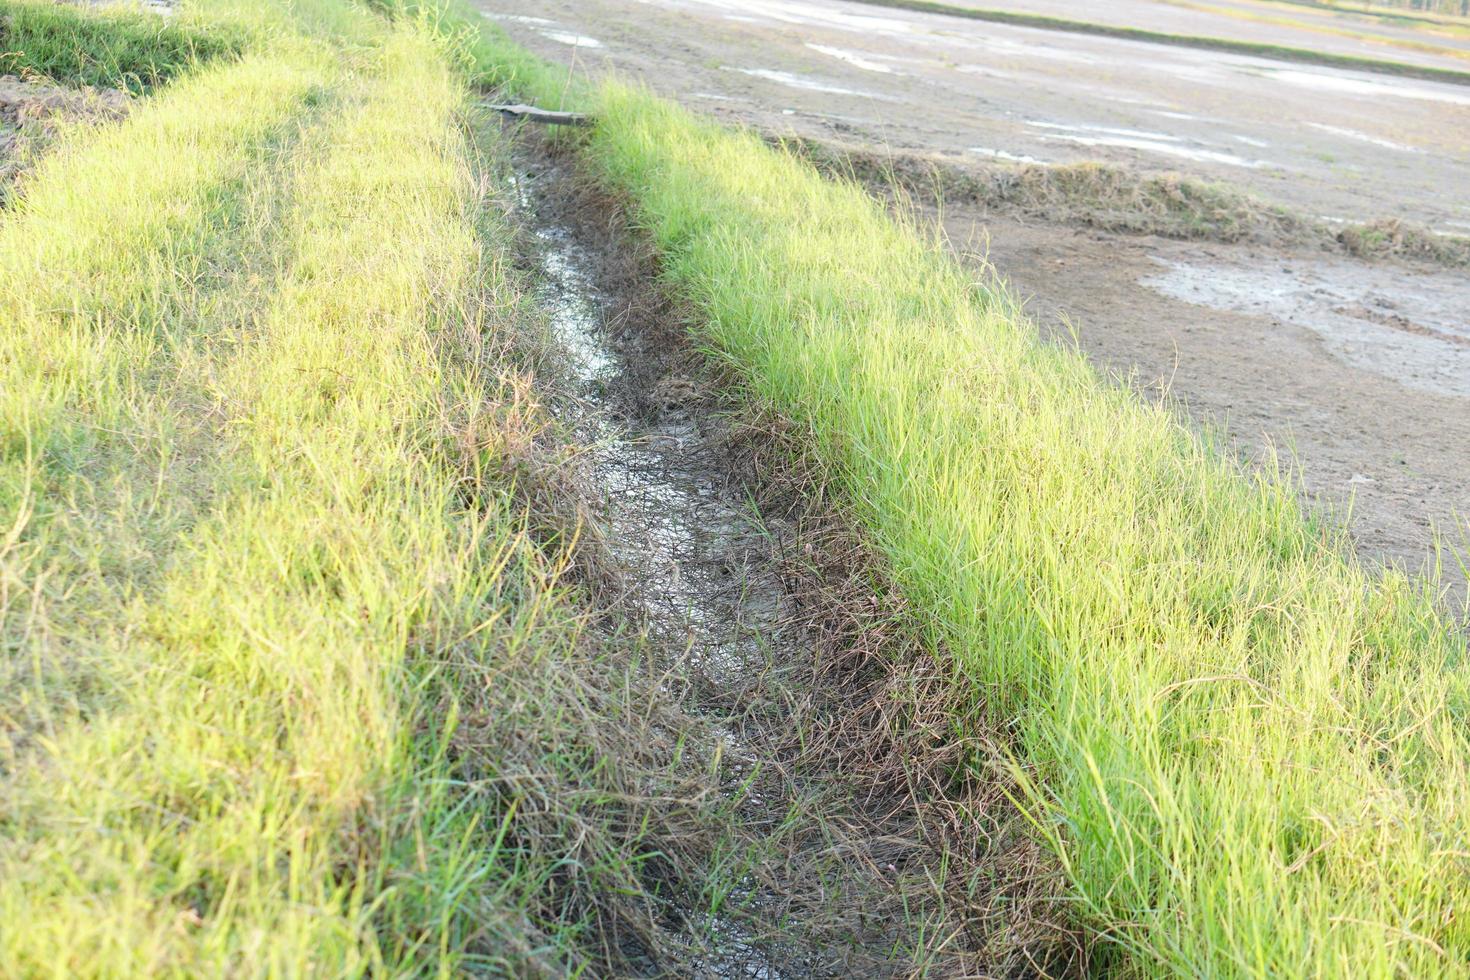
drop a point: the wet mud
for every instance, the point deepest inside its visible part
(835, 867)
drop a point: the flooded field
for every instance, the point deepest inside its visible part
(1329, 141)
(1361, 370)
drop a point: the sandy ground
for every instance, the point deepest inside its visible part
(1361, 371)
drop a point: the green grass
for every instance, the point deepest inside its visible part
(1249, 753)
(125, 49)
(1278, 52)
(287, 687)
(292, 681)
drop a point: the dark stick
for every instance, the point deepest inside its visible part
(546, 116)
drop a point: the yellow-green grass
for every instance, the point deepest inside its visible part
(1248, 752)
(274, 644)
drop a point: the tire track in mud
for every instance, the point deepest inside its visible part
(837, 864)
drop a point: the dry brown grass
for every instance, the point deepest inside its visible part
(1117, 199)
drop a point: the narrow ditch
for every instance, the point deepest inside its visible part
(842, 853)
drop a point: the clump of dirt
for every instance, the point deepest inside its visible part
(1398, 238)
(1116, 199)
(32, 111)
(31, 102)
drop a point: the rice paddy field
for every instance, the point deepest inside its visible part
(436, 545)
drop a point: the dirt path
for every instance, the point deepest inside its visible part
(753, 600)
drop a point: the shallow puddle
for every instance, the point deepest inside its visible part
(808, 84)
(854, 58)
(1406, 325)
(1147, 141)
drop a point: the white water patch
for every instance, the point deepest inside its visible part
(1353, 134)
(1196, 154)
(575, 40)
(1140, 139)
(852, 58)
(808, 84)
(1170, 114)
(993, 154)
(807, 14)
(518, 18)
(1084, 130)
(1249, 141)
(1407, 326)
(986, 71)
(1350, 85)
(1006, 47)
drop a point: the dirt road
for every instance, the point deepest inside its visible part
(1361, 370)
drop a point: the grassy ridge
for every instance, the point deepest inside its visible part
(120, 49)
(1321, 26)
(1249, 753)
(1279, 52)
(1118, 199)
(1439, 12)
(285, 688)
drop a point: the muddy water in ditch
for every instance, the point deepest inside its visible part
(700, 578)
(846, 867)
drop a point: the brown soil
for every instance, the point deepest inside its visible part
(1397, 454)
